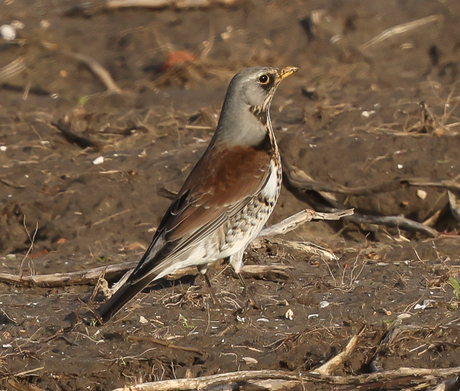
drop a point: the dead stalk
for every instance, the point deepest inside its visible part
(98, 70)
(400, 29)
(32, 241)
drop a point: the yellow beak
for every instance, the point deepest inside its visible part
(287, 71)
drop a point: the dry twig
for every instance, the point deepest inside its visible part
(32, 241)
(305, 247)
(328, 367)
(296, 179)
(272, 272)
(449, 385)
(166, 3)
(72, 278)
(169, 345)
(400, 29)
(201, 383)
(454, 205)
(12, 69)
(300, 218)
(23, 387)
(92, 275)
(395, 221)
(97, 69)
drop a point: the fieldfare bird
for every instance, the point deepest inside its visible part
(228, 196)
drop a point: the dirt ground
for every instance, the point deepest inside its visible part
(352, 117)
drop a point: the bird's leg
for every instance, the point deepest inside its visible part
(236, 260)
(243, 283)
(203, 270)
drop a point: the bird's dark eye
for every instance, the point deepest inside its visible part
(264, 79)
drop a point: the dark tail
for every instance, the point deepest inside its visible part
(107, 310)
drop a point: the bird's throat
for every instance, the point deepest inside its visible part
(261, 113)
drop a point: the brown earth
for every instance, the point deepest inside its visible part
(351, 117)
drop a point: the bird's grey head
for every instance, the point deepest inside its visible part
(245, 118)
(255, 85)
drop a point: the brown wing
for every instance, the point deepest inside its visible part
(217, 188)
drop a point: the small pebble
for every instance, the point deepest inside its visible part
(367, 114)
(8, 32)
(289, 314)
(421, 194)
(249, 360)
(98, 160)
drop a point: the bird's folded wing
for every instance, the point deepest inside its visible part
(216, 190)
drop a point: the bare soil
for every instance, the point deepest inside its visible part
(351, 117)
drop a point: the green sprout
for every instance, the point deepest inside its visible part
(456, 286)
(184, 321)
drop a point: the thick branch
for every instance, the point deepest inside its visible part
(302, 184)
(72, 278)
(111, 271)
(200, 383)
